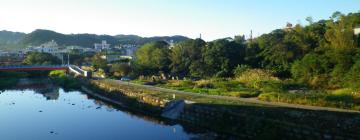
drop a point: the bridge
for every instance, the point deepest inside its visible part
(71, 68)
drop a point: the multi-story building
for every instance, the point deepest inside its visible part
(102, 46)
(127, 49)
(48, 47)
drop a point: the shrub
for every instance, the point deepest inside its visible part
(320, 81)
(57, 73)
(240, 69)
(60, 78)
(204, 84)
(180, 83)
(352, 77)
(270, 86)
(254, 77)
(243, 94)
(225, 85)
(268, 96)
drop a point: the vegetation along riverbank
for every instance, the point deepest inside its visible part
(235, 117)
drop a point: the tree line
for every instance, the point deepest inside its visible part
(322, 54)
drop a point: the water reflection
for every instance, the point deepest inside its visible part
(38, 113)
(43, 86)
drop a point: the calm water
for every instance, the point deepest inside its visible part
(56, 114)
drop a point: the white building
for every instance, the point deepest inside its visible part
(128, 49)
(357, 30)
(48, 47)
(102, 46)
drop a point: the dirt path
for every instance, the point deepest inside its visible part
(247, 100)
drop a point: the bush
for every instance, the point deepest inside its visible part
(254, 77)
(60, 78)
(268, 96)
(240, 69)
(187, 83)
(352, 77)
(270, 86)
(243, 94)
(226, 85)
(204, 84)
(57, 73)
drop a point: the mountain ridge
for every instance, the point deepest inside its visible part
(39, 36)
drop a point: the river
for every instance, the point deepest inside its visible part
(56, 114)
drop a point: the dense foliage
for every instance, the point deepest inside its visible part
(37, 58)
(153, 57)
(322, 54)
(67, 82)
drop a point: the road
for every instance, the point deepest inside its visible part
(246, 100)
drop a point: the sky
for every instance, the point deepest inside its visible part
(212, 19)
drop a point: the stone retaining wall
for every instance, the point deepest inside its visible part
(247, 122)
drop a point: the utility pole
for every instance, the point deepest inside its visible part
(62, 59)
(251, 36)
(68, 59)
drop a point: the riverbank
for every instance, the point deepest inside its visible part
(276, 92)
(10, 79)
(242, 119)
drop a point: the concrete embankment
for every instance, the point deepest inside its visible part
(246, 121)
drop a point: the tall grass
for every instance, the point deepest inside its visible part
(341, 98)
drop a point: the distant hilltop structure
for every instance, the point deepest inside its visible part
(289, 26)
(102, 46)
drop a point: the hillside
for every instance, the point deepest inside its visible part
(8, 39)
(38, 37)
(15, 40)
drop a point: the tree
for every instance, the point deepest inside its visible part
(99, 63)
(339, 34)
(222, 56)
(153, 57)
(120, 69)
(37, 58)
(313, 69)
(279, 51)
(184, 56)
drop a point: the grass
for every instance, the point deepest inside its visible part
(169, 96)
(341, 98)
(222, 87)
(273, 91)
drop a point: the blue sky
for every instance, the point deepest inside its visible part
(212, 18)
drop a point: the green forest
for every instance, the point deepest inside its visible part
(317, 63)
